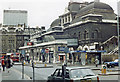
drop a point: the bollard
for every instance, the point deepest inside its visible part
(45, 65)
(30, 62)
(24, 62)
(35, 63)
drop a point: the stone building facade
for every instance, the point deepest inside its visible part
(90, 23)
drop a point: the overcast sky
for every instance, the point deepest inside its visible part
(43, 12)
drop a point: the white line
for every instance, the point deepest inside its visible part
(26, 76)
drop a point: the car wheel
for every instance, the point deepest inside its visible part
(48, 80)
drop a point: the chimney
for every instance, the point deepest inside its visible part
(43, 27)
(96, 0)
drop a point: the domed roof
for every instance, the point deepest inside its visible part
(97, 5)
(55, 23)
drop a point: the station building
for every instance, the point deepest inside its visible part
(84, 26)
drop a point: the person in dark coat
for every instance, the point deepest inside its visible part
(8, 64)
(3, 64)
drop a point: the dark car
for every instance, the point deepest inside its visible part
(112, 63)
(73, 74)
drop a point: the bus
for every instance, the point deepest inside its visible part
(13, 56)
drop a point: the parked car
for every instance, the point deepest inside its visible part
(81, 74)
(112, 63)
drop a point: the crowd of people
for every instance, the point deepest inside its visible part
(6, 63)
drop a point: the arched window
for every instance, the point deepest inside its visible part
(85, 34)
(96, 34)
(92, 35)
(79, 35)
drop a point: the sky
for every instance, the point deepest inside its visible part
(43, 12)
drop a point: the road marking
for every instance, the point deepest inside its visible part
(26, 76)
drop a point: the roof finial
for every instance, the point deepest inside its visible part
(76, 1)
(96, 0)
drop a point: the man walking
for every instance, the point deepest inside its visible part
(8, 64)
(96, 62)
(3, 64)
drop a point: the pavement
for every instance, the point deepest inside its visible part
(12, 74)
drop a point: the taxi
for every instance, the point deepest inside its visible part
(74, 74)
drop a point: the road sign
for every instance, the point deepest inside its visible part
(61, 48)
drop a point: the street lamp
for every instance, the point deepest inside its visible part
(118, 14)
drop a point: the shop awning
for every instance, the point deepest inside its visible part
(61, 54)
(92, 51)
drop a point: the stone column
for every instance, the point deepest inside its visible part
(54, 54)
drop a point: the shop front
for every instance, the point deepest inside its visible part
(88, 57)
(92, 56)
(61, 57)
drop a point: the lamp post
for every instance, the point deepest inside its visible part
(118, 29)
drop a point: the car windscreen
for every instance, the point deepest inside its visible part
(116, 60)
(79, 73)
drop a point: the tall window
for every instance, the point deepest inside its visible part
(92, 35)
(79, 36)
(63, 20)
(96, 34)
(69, 18)
(74, 35)
(66, 19)
(85, 34)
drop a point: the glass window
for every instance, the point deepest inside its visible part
(96, 34)
(69, 18)
(85, 34)
(79, 73)
(79, 36)
(65, 19)
(92, 35)
(56, 72)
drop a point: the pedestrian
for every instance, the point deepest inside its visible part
(8, 64)
(3, 64)
(96, 62)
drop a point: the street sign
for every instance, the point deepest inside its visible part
(61, 48)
